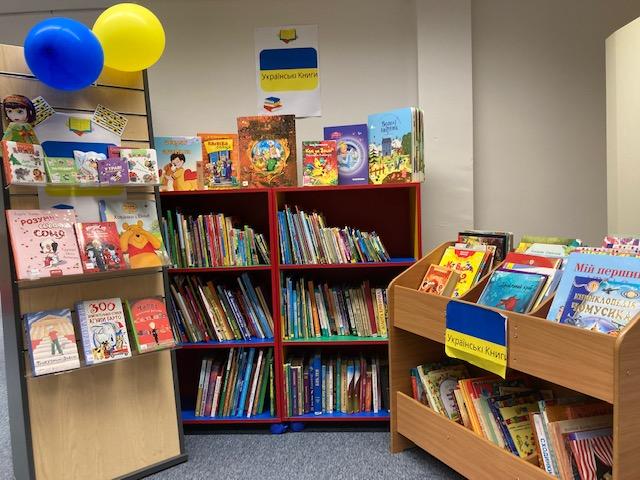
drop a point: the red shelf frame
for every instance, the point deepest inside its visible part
(276, 269)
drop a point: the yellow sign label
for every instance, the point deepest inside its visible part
(218, 145)
(481, 353)
(289, 79)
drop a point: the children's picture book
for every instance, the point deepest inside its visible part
(178, 159)
(391, 146)
(219, 160)
(606, 267)
(467, 263)
(61, 170)
(149, 324)
(43, 243)
(139, 231)
(113, 170)
(51, 341)
(600, 305)
(512, 291)
(267, 151)
(439, 281)
(87, 165)
(23, 163)
(319, 163)
(503, 241)
(142, 164)
(352, 146)
(99, 244)
(104, 330)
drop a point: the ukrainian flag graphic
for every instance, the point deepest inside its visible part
(288, 69)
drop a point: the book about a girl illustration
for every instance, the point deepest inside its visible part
(99, 244)
(43, 243)
(178, 159)
(104, 330)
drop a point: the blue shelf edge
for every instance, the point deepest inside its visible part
(189, 415)
(229, 343)
(340, 415)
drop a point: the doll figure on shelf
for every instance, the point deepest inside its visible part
(18, 114)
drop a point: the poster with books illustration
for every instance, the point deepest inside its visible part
(104, 330)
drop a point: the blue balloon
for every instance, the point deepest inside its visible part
(63, 53)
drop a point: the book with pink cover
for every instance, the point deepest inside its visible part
(43, 243)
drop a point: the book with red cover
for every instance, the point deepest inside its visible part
(149, 324)
(533, 260)
(366, 290)
(99, 244)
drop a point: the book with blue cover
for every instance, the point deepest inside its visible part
(609, 267)
(512, 291)
(391, 146)
(604, 306)
(352, 145)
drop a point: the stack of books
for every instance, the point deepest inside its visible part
(237, 387)
(272, 103)
(204, 312)
(212, 241)
(317, 310)
(336, 384)
(305, 239)
(560, 434)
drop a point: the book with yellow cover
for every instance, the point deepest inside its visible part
(467, 263)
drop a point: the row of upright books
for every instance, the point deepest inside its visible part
(106, 333)
(305, 239)
(212, 240)
(240, 387)
(336, 384)
(570, 437)
(204, 311)
(311, 310)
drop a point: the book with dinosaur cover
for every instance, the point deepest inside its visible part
(139, 231)
(512, 291)
(43, 243)
(99, 244)
(267, 151)
(319, 163)
(219, 160)
(23, 163)
(178, 159)
(352, 146)
(51, 341)
(142, 164)
(61, 170)
(104, 330)
(149, 322)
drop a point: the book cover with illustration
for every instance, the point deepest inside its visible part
(23, 163)
(61, 170)
(267, 151)
(352, 145)
(512, 291)
(439, 281)
(600, 305)
(391, 146)
(43, 243)
(104, 330)
(142, 164)
(139, 231)
(178, 159)
(87, 164)
(219, 160)
(51, 341)
(113, 170)
(319, 163)
(605, 267)
(467, 263)
(99, 245)
(149, 324)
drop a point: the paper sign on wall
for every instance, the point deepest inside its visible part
(477, 335)
(287, 68)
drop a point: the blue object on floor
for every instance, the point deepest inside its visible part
(296, 426)
(278, 428)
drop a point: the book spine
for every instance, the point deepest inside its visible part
(317, 385)
(203, 369)
(216, 396)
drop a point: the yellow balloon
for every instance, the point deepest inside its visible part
(132, 37)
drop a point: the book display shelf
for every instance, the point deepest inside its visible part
(73, 425)
(560, 357)
(392, 211)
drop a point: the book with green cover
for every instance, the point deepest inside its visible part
(61, 170)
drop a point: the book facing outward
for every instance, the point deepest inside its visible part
(178, 159)
(503, 241)
(142, 164)
(113, 170)
(149, 324)
(99, 246)
(104, 330)
(439, 281)
(512, 291)
(43, 243)
(319, 163)
(467, 263)
(61, 170)
(23, 163)
(51, 341)
(352, 146)
(219, 160)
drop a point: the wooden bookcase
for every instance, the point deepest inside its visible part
(393, 211)
(112, 420)
(561, 357)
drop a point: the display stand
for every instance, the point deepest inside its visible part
(113, 420)
(392, 210)
(560, 357)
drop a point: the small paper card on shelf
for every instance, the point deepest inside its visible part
(112, 121)
(477, 335)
